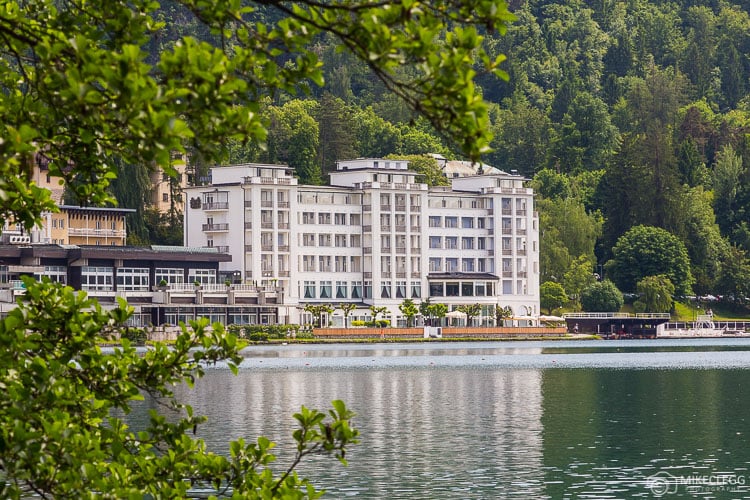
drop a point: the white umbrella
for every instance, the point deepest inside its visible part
(455, 314)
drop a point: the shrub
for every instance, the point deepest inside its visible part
(136, 336)
(358, 322)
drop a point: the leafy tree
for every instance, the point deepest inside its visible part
(377, 311)
(734, 277)
(552, 295)
(655, 294)
(522, 136)
(550, 184)
(437, 310)
(502, 313)
(336, 129)
(162, 229)
(293, 139)
(471, 311)
(579, 276)
(375, 137)
(347, 308)
(409, 309)
(728, 174)
(601, 296)
(649, 251)
(318, 310)
(426, 166)
(61, 435)
(586, 139)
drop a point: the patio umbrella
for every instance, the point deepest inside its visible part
(455, 315)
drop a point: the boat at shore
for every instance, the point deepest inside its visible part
(704, 326)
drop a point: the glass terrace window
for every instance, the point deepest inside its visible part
(172, 275)
(97, 278)
(132, 279)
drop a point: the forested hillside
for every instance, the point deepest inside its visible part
(624, 114)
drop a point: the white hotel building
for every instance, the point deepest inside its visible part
(375, 236)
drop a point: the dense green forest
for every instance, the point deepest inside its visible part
(624, 114)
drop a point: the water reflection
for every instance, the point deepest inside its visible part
(497, 420)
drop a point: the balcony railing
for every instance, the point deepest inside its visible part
(216, 227)
(248, 225)
(216, 205)
(83, 231)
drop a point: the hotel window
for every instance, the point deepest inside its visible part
(324, 263)
(165, 197)
(309, 290)
(451, 289)
(481, 243)
(54, 223)
(451, 222)
(62, 223)
(467, 289)
(308, 240)
(339, 219)
(325, 289)
(467, 265)
(56, 274)
(479, 289)
(356, 264)
(357, 290)
(451, 265)
(436, 242)
(368, 290)
(436, 289)
(324, 240)
(355, 220)
(341, 289)
(340, 240)
(435, 264)
(132, 279)
(451, 242)
(385, 290)
(355, 240)
(467, 243)
(401, 289)
(467, 222)
(96, 278)
(340, 263)
(435, 221)
(385, 242)
(172, 275)
(416, 289)
(308, 218)
(202, 276)
(324, 218)
(308, 263)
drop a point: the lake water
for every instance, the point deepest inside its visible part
(599, 419)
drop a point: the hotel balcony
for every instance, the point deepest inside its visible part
(101, 233)
(216, 227)
(216, 205)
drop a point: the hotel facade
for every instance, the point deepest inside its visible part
(374, 236)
